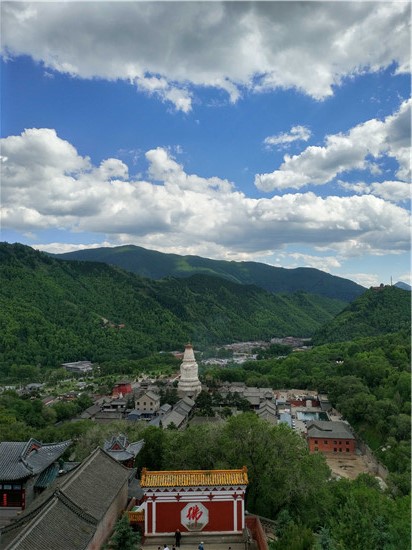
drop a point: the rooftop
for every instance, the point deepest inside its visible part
(193, 478)
(19, 460)
(327, 429)
(66, 515)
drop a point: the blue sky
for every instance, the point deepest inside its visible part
(275, 131)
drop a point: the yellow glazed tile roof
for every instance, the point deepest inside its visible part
(193, 478)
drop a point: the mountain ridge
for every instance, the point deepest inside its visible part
(53, 310)
(380, 310)
(157, 265)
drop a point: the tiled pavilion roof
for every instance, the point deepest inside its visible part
(19, 460)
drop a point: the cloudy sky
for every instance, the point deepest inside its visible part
(270, 131)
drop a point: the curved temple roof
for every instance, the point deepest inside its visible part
(19, 460)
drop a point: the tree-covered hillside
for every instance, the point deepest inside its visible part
(368, 380)
(378, 311)
(156, 265)
(53, 311)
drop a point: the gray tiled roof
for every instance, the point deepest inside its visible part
(323, 429)
(91, 411)
(46, 530)
(135, 414)
(65, 516)
(94, 484)
(267, 406)
(47, 477)
(173, 417)
(127, 450)
(150, 395)
(253, 399)
(184, 406)
(19, 460)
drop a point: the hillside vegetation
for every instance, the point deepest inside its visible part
(368, 380)
(374, 313)
(53, 311)
(156, 265)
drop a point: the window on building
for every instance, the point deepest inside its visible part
(335, 442)
(347, 442)
(340, 450)
(316, 449)
(335, 450)
(316, 441)
(325, 442)
(347, 450)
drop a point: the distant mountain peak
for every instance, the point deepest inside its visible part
(403, 286)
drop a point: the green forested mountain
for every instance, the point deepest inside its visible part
(378, 311)
(157, 265)
(53, 311)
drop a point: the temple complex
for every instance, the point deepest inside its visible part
(189, 383)
(208, 501)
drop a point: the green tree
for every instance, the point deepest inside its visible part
(124, 538)
(295, 537)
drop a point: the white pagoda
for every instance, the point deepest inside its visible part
(189, 383)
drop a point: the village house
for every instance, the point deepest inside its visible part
(147, 404)
(330, 437)
(176, 418)
(79, 367)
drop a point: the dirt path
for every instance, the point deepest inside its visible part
(350, 466)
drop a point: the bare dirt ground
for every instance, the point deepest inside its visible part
(350, 466)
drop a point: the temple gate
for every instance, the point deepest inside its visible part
(211, 501)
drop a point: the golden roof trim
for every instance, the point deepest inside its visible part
(193, 478)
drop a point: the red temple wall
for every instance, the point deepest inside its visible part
(239, 514)
(347, 446)
(122, 388)
(149, 514)
(220, 516)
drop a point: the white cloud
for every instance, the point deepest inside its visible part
(297, 133)
(345, 152)
(47, 184)
(394, 191)
(365, 279)
(163, 47)
(325, 263)
(61, 248)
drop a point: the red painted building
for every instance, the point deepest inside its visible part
(330, 437)
(194, 500)
(122, 388)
